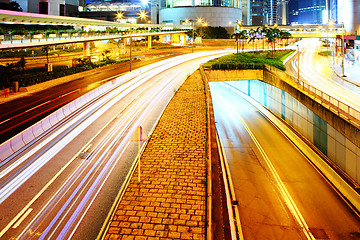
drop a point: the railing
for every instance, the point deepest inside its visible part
(333, 104)
(26, 38)
(239, 66)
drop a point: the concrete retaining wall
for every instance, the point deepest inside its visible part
(327, 138)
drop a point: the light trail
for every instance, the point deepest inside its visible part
(281, 186)
(317, 78)
(105, 152)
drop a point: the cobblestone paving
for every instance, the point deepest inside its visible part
(170, 201)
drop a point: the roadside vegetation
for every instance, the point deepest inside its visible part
(36, 52)
(16, 71)
(250, 60)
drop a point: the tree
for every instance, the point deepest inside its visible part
(243, 35)
(46, 49)
(215, 33)
(263, 30)
(21, 63)
(236, 36)
(285, 35)
(12, 6)
(252, 37)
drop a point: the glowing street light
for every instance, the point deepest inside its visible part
(142, 15)
(199, 20)
(119, 15)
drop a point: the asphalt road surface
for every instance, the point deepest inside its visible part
(63, 185)
(19, 114)
(281, 195)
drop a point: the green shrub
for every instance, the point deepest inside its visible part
(37, 75)
(249, 60)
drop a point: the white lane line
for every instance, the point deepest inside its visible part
(36, 197)
(22, 218)
(283, 191)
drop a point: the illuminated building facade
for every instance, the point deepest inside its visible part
(213, 12)
(109, 10)
(259, 12)
(51, 7)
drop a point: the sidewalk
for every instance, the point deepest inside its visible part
(170, 201)
(352, 71)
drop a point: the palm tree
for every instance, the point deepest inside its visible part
(236, 36)
(243, 35)
(285, 35)
(263, 30)
(271, 36)
(252, 37)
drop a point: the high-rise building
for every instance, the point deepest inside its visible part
(282, 12)
(312, 11)
(272, 11)
(246, 12)
(293, 12)
(51, 7)
(259, 12)
(349, 14)
(213, 12)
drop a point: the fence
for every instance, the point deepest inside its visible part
(334, 104)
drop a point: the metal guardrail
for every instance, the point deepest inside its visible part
(16, 39)
(333, 104)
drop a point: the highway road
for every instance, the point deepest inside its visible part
(19, 114)
(68, 179)
(280, 194)
(315, 70)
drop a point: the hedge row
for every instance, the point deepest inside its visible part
(249, 60)
(31, 77)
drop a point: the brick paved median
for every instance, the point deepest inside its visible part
(170, 201)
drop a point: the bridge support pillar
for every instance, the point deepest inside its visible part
(161, 38)
(182, 39)
(86, 49)
(149, 42)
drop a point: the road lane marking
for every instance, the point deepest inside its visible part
(36, 197)
(284, 192)
(22, 218)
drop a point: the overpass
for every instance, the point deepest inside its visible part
(85, 25)
(308, 31)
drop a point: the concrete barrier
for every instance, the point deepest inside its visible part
(5, 151)
(45, 124)
(37, 129)
(17, 142)
(53, 119)
(60, 114)
(28, 135)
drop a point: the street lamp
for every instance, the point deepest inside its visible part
(199, 20)
(330, 23)
(237, 22)
(343, 49)
(298, 75)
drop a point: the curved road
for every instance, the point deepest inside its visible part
(281, 195)
(315, 70)
(68, 179)
(19, 114)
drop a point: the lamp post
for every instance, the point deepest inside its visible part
(193, 30)
(237, 22)
(298, 73)
(343, 50)
(330, 22)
